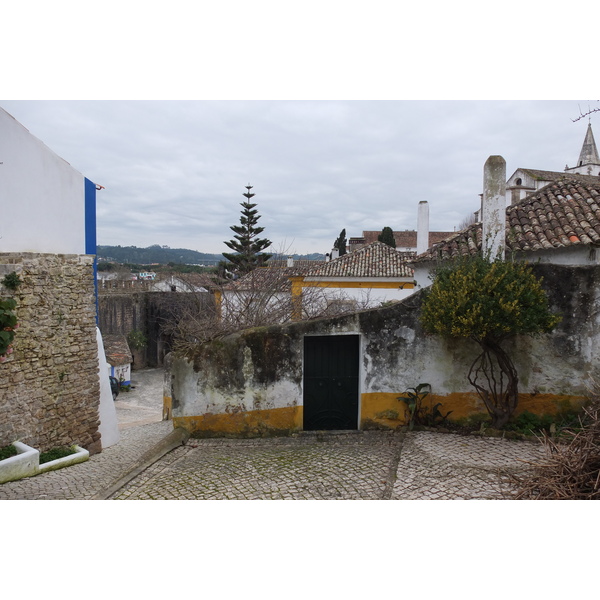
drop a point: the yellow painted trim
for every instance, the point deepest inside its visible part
(377, 285)
(167, 408)
(218, 302)
(249, 423)
(383, 409)
(296, 298)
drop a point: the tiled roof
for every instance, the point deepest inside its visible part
(407, 239)
(275, 263)
(539, 175)
(375, 260)
(562, 214)
(117, 350)
(268, 278)
(190, 280)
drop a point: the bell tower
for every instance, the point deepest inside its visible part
(589, 162)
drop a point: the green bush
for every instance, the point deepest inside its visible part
(488, 302)
(7, 452)
(56, 453)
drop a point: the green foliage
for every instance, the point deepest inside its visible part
(12, 281)
(56, 453)
(8, 324)
(488, 301)
(247, 246)
(340, 243)
(413, 398)
(418, 413)
(7, 452)
(152, 254)
(529, 423)
(136, 339)
(387, 237)
(478, 299)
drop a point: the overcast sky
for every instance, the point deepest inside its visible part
(174, 171)
(321, 110)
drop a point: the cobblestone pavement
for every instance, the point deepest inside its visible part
(139, 415)
(143, 404)
(308, 466)
(358, 465)
(437, 466)
(365, 465)
(83, 481)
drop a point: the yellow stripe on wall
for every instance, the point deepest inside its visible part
(254, 423)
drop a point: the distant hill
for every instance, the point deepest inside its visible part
(163, 255)
(156, 255)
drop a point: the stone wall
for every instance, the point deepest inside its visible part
(148, 312)
(49, 387)
(251, 383)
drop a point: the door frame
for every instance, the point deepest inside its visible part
(360, 369)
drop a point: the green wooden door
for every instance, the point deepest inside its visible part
(331, 382)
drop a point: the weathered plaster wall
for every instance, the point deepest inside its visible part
(251, 383)
(50, 387)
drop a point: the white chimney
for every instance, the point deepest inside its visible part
(494, 208)
(290, 261)
(422, 227)
(335, 253)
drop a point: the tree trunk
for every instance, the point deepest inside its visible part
(495, 378)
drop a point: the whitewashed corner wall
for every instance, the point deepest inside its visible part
(47, 205)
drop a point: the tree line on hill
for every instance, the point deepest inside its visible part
(163, 255)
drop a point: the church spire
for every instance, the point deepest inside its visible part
(589, 161)
(589, 153)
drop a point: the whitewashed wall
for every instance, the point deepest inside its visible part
(43, 198)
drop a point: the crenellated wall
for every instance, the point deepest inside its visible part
(49, 386)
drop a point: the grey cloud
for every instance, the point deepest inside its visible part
(174, 172)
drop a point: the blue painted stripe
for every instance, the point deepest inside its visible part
(90, 231)
(90, 217)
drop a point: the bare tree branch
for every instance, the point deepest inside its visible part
(587, 113)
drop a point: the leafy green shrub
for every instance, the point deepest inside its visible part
(7, 452)
(136, 339)
(487, 302)
(56, 453)
(12, 281)
(8, 324)
(529, 423)
(418, 413)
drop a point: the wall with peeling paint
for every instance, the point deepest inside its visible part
(250, 383)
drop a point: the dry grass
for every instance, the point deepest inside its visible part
(571, 467)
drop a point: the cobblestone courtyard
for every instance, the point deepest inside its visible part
(366, 465)
(352, 466)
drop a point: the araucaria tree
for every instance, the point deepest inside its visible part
(488, 302)
(387, 237)
(248, 247)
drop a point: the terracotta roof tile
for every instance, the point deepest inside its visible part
(407, 239)
(269, 278)
(375, 260)
(564, 213)
(117, 350)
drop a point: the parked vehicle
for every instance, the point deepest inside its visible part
(115, 386)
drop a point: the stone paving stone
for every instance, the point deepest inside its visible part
(312, 465)
(449, 466)
(84, 480)
(334, 467)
